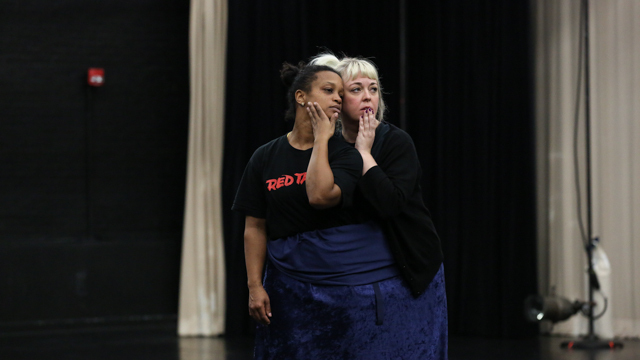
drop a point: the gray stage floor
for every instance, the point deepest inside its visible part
(161, 343)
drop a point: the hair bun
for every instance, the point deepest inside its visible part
(289, 72)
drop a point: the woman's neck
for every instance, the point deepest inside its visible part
(301, 137)
(350, 130)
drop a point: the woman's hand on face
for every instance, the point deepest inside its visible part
(366, 131)
(323, 127)
(259, 305)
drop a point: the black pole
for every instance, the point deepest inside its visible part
(587, 102)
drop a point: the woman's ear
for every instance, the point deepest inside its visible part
(300, 97)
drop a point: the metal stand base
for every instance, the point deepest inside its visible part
(592, 342)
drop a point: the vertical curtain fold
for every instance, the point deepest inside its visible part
(615, 79)
(202, 286)
(615, 162)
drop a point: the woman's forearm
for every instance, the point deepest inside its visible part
(255, 249)
(255, 252)
(367, 161)
(321, 188)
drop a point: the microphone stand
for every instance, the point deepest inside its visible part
(591, 340)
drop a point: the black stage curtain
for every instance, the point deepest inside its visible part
(470, 103)
(469, 110)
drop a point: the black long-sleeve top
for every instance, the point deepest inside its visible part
(391, 194)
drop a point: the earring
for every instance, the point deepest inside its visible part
(302, 104)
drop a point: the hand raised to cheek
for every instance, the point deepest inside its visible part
(323, 126)
(366, 131)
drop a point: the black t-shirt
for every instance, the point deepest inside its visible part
(273, 187)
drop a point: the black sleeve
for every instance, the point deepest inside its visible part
(250, 198)
(389, 185)
(346, 165)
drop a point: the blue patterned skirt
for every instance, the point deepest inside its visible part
(343, 322)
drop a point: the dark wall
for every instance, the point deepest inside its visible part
(91, 179)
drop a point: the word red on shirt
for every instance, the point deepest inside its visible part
(286, 180)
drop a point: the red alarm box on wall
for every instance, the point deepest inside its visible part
(95, 77)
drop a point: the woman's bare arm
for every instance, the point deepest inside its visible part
(255, 252)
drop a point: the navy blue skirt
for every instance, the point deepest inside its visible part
(343, 322)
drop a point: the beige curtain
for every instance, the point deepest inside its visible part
(615, 148)
(202, 285)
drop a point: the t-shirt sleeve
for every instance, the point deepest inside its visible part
(346, 165)
(389, 185)
(250, 197)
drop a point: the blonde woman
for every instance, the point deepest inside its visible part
(389, 192)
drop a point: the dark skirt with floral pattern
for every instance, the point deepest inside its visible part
(374, 321)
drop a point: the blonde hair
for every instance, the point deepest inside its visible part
(351, 68)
